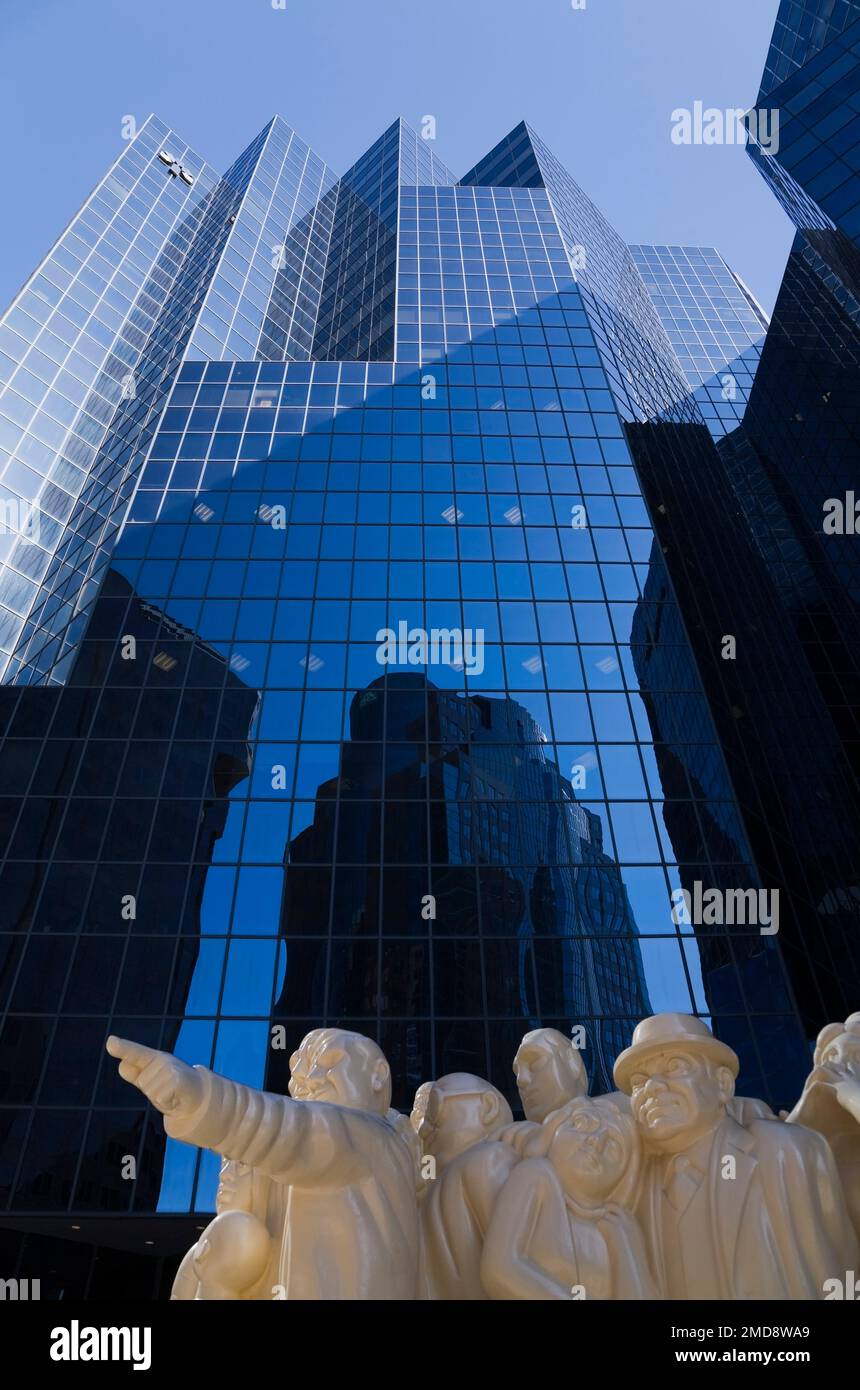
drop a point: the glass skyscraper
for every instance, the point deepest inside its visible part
(712, 321)
(811, 80)
(346, 675)
(747, 548)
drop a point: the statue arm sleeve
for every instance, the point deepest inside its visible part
(302, 1142)
(819, 1228)
(508, 1269)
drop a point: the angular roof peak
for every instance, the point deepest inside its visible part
(512, 163)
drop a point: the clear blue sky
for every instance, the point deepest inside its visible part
(598, 84)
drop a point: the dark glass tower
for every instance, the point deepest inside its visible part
(397, 403)
(788, 441)
(810, 80)
(801, 441)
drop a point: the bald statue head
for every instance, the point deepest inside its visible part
(549, 1071)
(462, 1110)
(341, 1068)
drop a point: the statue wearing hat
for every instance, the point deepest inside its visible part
(672, 1188)
(730, 1211)
(830, 1103)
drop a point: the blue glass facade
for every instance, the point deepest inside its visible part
(713, 323)
(385, 712)
(811, 81)
(789, 590)
(802, 28)
(87, 348)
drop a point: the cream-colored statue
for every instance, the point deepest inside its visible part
(242, 1193)
(672, 1187)
(729, 1211)
(464, 1118)
(419, 1105)
(563, 1226)
(549, 1072)
(830, 1103)
(350, 1226)
(231, 1256)
(745, 1108)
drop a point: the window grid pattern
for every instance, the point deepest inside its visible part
(802, 29)
(440, 853)
(816, 169)
(92, 471)
(713, 323)
(263, 291)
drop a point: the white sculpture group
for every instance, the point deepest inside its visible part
(671, 1187)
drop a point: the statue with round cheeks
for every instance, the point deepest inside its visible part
(341, 1068)
(679, 1096)
(680, 1080)
(778, 1227)
(549, 1071)
(462, 1110)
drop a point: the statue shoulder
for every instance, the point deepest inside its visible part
(774, 1138)
(535, 1176)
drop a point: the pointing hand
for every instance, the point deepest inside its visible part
(171, 1085)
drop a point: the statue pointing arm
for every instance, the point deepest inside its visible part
(301, 1142)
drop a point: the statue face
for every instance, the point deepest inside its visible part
(843, 1056)
(234, 1187)
(453, 1121)
(677, 1097)
(589, 1152)
(547, 1078)
(332, 1066)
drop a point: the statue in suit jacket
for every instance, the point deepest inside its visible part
(344, 1175)
(730, 1211)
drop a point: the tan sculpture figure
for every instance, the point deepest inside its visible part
(231, 1256)
(241, 1192)
(549, 1072)
(830, 1103)
(419, 1105)
(728, 1211)
(563, 1226)
(351, 1223)
(672, 1187)
(465, 1116)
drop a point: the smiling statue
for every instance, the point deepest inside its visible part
(343, 1175)
(672, 1187)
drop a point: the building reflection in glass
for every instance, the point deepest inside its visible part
(489, 858)
(129, 793)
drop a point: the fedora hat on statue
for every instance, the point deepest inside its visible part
(663, 1031)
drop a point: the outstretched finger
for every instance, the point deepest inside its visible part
(134, 1056)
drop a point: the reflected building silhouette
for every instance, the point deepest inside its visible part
(333, 456)
(483, 839)
(104, 884)
(738, 964)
